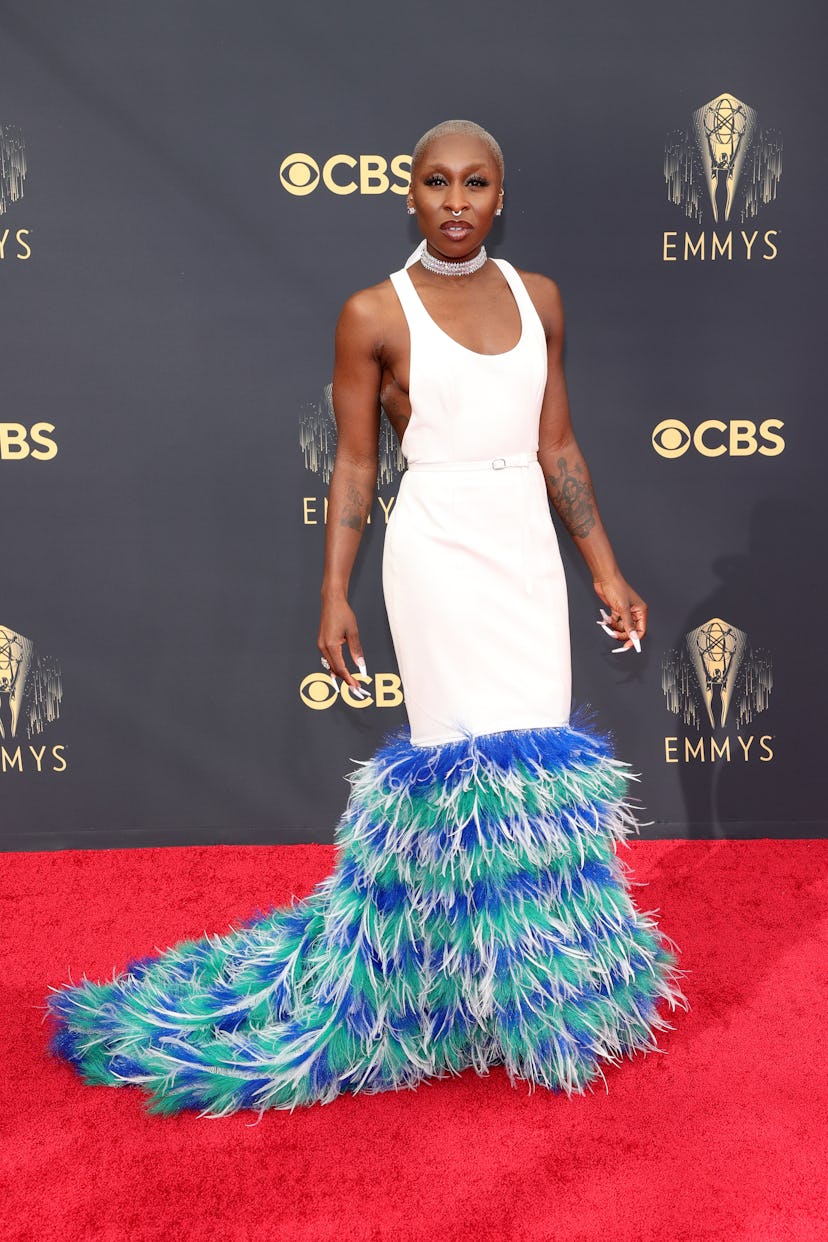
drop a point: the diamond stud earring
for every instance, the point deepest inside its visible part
(412, 211)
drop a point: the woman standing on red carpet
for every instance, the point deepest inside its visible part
(477, 913)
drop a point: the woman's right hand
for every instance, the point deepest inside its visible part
(337, 626)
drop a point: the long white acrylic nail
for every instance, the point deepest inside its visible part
(359, 693)
(626, 647)
(636, 641)
(606, 629)
(361, 666)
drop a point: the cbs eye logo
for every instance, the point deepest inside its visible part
(714, 438)
(345, 174)
(317, 691)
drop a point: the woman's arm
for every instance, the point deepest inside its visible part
(356, 386)
(569, 483)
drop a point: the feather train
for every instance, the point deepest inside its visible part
(477, 914)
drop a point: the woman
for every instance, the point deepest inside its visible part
(477, 913)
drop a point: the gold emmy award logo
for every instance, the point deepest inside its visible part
(716, 678)
(727, 167)
(723, 160)
(30, 698)
(715, 674)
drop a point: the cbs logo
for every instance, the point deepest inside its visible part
(345, 174)
(317, 691)
(713, 438)
(15, 442)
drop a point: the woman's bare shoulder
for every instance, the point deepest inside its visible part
(366, 312)
(370, 301)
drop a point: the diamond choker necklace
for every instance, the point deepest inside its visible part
(443, 267)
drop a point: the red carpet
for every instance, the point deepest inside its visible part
(722, 1138)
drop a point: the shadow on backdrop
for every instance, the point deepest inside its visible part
(753, 683)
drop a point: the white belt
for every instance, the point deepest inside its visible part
(488, 463)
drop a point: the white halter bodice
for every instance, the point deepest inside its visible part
(466, 405)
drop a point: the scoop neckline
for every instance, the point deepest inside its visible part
(474, 352)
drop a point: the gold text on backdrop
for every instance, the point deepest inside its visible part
(18, 442)
(317, 691)
(300, 174)
(740, 437)
(15, 245)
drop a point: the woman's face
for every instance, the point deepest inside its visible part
(456, 173)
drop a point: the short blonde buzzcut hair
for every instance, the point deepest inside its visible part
(458, 127)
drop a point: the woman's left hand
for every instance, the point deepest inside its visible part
(627, 619)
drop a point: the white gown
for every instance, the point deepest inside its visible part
(477, 913)
(472, 575)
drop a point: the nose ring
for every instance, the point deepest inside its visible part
(457, 213)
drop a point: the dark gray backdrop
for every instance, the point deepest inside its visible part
(173, 322)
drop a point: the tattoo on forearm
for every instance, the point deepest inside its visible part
(573, 497)
(354, 513)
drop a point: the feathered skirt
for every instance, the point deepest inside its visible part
(477, 915)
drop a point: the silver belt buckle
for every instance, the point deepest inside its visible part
(499, 463)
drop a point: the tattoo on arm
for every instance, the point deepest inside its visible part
(573, 497)
(355, 511)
